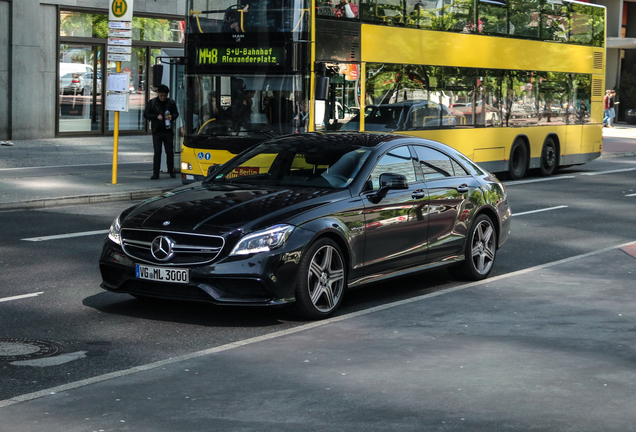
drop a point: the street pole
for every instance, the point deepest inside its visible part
(116, 137)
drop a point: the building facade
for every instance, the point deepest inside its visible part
(53, 65)
(53, 62)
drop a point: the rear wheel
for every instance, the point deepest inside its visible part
(321, 281)
(549, 158)
(480, 250)
(518, 162)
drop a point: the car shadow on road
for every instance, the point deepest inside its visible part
(207, 314)
(202, 314)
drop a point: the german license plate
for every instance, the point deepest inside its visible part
(162, 274)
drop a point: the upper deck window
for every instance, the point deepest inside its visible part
(248, 16)
(549, 20)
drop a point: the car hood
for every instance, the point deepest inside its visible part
(217, 209)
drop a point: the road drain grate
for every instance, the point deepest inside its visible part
(27, 349)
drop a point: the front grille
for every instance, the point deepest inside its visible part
(188, 249)
(168, 291)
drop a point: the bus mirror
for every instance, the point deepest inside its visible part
(157, 75)
(322, 88)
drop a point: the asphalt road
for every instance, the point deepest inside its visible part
(579, 210)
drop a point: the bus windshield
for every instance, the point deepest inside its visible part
(250, 105)
(245, 16)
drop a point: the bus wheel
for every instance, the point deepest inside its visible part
(518, 162)
(548, 157)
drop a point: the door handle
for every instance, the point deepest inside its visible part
(418, 194)
(462, 188)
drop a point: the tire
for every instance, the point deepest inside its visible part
(518, 162)
(321, 281)
(480, 250)
(549, 158)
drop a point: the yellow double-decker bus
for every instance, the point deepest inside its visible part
(516, 85)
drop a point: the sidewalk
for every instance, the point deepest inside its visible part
(65, 171)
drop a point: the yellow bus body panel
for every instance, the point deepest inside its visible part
(382, 44)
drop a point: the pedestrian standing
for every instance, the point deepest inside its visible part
(606, 110)
(612, 108)
(162, 112)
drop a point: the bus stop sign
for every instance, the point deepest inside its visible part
(120, 10)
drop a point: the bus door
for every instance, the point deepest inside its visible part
(337, 100)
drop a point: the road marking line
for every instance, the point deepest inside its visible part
(540, 210)
(631, 195)
(608, 172)
(274, 335)
(63, 236)
(18, 297)
(73, 166)
(538, 180)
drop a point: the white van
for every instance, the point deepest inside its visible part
(66, 68)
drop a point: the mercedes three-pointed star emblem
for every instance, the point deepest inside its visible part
(161, 248)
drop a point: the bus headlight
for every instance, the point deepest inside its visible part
(185, 166)
(263, 241)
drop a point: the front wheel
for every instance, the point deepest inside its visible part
(321, 280)
(549, 158)
(480, 250)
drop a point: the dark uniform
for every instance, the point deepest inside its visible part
(162, 136)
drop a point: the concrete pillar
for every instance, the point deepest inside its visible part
(33, 68)
(5, 64)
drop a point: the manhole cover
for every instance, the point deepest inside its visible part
(27, 349)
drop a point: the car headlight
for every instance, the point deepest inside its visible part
(115, 228)
(263, 241)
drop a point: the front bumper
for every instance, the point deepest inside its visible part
(264, 279)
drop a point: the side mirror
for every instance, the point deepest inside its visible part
(322, 88)
(157, 75)
(389, 181)
(212, 169)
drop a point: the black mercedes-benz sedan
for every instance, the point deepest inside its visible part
(298, 219)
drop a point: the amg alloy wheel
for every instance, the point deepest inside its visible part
(321, 280)
(481, 248)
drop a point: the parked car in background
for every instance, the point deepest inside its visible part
(402, 116)
(297, 220)
(80, 83)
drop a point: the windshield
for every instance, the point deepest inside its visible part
(290, 162)
(254, 105)
(246, 16)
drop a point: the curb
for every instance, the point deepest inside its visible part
(617, 155)
(83, 199)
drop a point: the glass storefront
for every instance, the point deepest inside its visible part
(83, 71)
(80, 88)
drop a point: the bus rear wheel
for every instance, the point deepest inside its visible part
(518, 162)
(549, 158)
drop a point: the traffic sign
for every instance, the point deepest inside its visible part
(120, 10)
(118, 57)
(119, 49)
(119, 33)
(120, 42)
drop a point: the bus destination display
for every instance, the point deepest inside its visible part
(226, 56)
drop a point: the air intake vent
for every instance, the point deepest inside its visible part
(598, 60)
(597, 87)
